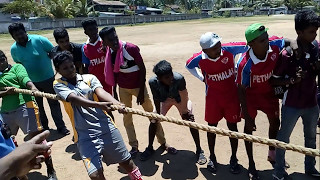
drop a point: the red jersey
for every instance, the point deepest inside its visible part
(254, 74)
(93, 55)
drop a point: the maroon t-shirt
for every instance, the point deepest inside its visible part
(303, 94)
(129, 75)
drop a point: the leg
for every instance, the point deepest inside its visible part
(310, 118)
(126, 98)
(97, 175)
(289, 118)
(233, 141)
(156, 127)
(212, 164)
(43, 116)
(132, 170)
(249, 150)
(211, 143)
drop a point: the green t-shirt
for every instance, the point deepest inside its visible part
(17, 77)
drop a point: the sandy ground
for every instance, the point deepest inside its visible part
(176, 42)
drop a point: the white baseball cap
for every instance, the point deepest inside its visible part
(209, 39)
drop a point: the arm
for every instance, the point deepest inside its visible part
(142, 80)
(192, 66)
(31, 86)
(25, 157)
(81, 101)
(104, 96)
(7, 92)
(46, 44)
(196, 72)
(85, 62)
(157, 105)
(235, 47)
(249, 122)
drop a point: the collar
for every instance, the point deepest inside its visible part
(254, 58)
(79, 78)
(71, 49)
(205, 56)
(93, 44)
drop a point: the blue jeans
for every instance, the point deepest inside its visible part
(289, 118)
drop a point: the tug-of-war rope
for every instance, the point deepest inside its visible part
(220, 131)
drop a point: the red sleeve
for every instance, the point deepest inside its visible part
(134, 51)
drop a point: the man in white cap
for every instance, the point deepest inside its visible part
(216, 62)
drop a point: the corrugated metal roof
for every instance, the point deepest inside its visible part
(110, 3)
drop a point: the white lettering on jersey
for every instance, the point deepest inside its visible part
(261, 78)
(221, 76)
(94, 62)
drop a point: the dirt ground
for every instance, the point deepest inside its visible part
(176, 42)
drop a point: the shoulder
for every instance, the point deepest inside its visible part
(275, 38)
(132, 47)
(54, 49)
(178, 76)
(59, 82)
(244, 59)
(234, 44)
(13, 46)
(17, 66)
(195, 57)
(153, 81)
(76, 45)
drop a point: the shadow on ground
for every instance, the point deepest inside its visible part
(55, 135)
(182, 166)
(36, 176)
(176, 167)
(72, 148)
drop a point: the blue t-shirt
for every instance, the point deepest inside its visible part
(34, 57)
(6, 145)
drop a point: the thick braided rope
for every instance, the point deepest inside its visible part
(211, 129)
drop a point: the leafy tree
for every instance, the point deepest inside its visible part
(22, 7)
(298, 4)
(83, 9)
(60, 8)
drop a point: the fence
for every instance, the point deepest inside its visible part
(45, 23)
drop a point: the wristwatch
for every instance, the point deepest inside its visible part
(292, 80)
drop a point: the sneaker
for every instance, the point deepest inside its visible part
(212, 166)
(253, 174)
(134, 152)
(64, 131)
(52, 175)
(313, 173)
(234, 167)
(201, 158)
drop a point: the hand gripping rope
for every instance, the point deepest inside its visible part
(220, 131)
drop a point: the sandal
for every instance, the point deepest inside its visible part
(170, 150)
(146, 154)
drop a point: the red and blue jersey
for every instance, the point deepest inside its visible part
(94, 55)
(219, 74)
(254, 74)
